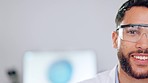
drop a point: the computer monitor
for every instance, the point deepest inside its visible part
(58, 66)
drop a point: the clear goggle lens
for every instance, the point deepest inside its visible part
(133, 32)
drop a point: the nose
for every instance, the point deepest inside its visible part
(142, 43)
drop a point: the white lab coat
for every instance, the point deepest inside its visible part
(104, 77)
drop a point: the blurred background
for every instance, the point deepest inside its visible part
(56, 25)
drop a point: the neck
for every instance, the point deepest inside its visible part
(125, 78)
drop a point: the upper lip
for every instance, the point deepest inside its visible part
(139, 54)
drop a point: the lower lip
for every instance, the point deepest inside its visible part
(140, 62)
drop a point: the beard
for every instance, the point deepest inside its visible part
(126, 66)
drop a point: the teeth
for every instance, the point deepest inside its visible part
(141, 57)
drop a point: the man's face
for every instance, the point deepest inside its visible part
(133, 56)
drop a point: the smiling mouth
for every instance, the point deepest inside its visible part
(140, 57)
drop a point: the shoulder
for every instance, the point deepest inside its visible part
(104, 77)
(99, 78)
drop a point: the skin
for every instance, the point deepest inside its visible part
(136, 15)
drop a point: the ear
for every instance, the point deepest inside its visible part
(115, 39)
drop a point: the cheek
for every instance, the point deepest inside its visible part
(122, 44)
(126, 47)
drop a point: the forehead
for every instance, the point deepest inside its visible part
(136, 15)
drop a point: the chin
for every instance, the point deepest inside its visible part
(132, 69)
(137, 71)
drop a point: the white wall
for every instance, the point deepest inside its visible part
(56, 25)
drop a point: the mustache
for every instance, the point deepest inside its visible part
(145, 51)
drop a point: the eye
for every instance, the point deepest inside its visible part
(132, 31)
